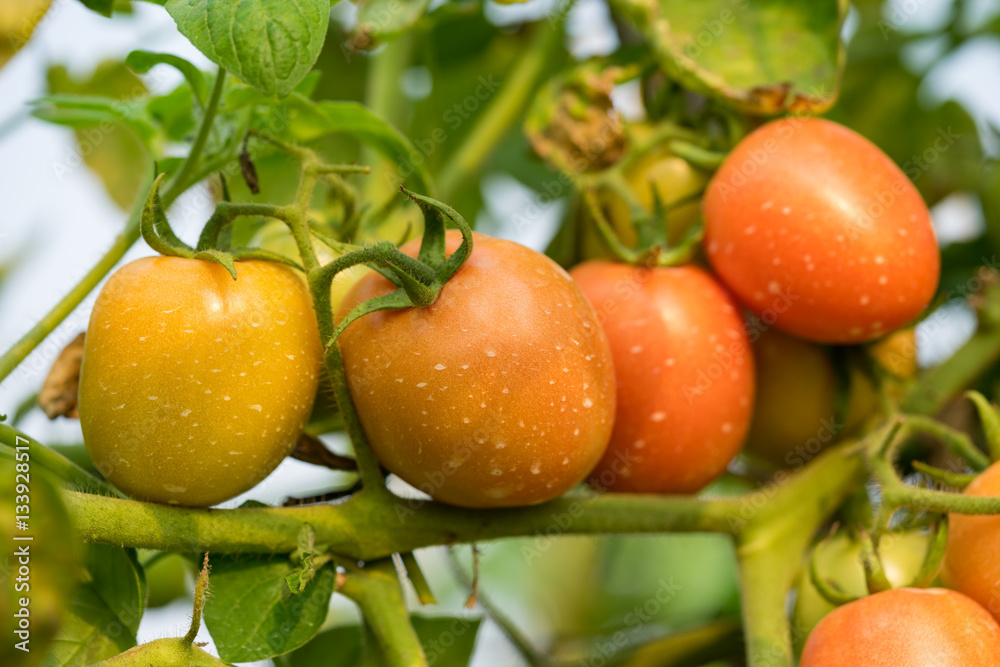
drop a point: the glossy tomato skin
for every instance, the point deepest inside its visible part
(905, 627)
(839, 562)
(685, 376)
(499, 394)
(811, 225)
(972, 560)
(195, 386)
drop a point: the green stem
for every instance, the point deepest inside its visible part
(206, 128)
(518, 639)
(505, 108)
(367, 527)
(384, 97)
(951, 378)
(377, 592)
(23, 347)
(55, 462)
(772, 548)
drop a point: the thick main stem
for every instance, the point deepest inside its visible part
(377, 592)
(368, 527)
(772, 548)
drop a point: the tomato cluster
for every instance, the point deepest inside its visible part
(521, 380)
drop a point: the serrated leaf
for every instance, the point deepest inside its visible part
(250, 615)
(269, 44)
(763, 57)
(104, 614)
(448, 642)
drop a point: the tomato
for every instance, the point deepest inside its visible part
(671, 177)
(794, 413)
(817, 230)
(195, 386)
(897, 353)
(972, 560)
(685, 375)
(839, 561)
(501, 393)
(905, 627)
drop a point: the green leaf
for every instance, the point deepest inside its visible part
(448, 642)
(763, 57)
(311, 120)
(269, 44)
(104, 614)
(143, 61)
(102, 7)
(250, 613)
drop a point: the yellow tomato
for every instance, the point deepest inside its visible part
(897, 353)
(195, 386)
(794, 415)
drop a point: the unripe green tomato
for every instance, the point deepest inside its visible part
(839, 561)
(794, 415)
(166, 580)
(194, 386)
(671, 177)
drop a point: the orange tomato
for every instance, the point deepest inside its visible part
(905, 627)
(501, 393)
(811, 225)
(685, 376)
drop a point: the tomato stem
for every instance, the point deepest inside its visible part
(377, 592)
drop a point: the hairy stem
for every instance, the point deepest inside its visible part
(367, 526)
(54, 462)
(376, 590)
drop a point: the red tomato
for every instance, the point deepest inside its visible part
(818, 231)
(685, 376)
(501, 393)
(972, 561)
(905, 627)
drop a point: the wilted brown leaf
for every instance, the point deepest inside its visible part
(59, 392)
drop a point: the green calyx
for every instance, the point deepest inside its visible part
(418, 280)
